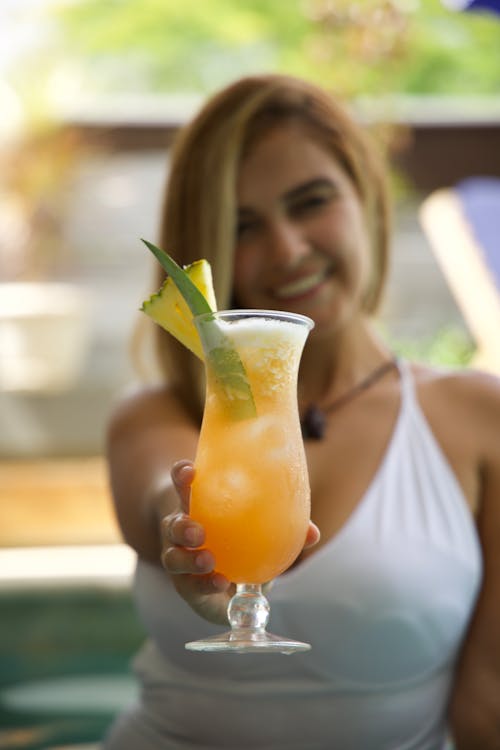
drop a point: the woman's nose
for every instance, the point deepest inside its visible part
(287, 244)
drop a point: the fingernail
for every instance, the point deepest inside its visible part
(203, 561)
(219, 582)
(192, 536)
(183, 471)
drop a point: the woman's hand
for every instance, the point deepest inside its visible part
(192, 569)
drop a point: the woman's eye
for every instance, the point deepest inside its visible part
(244, 228)
(310, 203)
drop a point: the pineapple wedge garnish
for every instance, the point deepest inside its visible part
(175, 305)
(169, 309)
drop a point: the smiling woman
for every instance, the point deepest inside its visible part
(307, 245)
(280, 190)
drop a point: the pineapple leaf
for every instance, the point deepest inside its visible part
(221, 355)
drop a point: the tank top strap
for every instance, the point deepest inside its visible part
(408, 393)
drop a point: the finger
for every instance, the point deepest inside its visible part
(312, 536)
(182, 476)
(193, 588)
(178, 561)
(179, 529)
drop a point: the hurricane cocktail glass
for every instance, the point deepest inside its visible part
(251, 489)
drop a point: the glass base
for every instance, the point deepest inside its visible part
(247, 641)
(248, 614)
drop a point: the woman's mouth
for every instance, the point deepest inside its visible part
(301, 287)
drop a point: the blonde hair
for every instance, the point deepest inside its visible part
(199, 210)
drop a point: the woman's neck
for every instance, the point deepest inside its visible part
(332, 365)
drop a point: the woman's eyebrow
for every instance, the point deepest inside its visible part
(306, 187)
(245, 212)
(317, 183)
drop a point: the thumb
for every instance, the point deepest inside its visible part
(182, 474)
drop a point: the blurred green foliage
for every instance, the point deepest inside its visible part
(356, 46)
(450, 346)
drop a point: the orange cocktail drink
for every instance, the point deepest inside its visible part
(251, 489)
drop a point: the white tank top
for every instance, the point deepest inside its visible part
(385, 605)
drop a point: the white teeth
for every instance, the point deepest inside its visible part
(300, 286)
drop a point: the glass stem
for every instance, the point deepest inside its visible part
(249, 608)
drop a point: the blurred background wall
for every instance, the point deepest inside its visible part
(91, 94)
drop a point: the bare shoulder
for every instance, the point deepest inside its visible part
(142, 398)
(471, 394)
(146, 405)
(463, 380)
(148, 431)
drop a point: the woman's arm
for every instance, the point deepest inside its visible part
(151, 443)
(475, 705)
(148, 432)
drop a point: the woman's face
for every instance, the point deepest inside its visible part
(302, 243)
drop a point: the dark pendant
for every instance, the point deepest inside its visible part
(313, 423)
